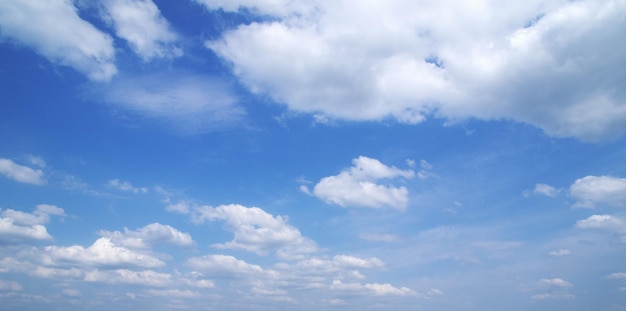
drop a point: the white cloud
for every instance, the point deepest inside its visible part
(379, 237)
(608, 223)
(20, 173)
(10, 286)
(560, 252)
(545, 296)
(140, 23)
(354, 262)
(103, 252)
(126, 186)
(54, 30)
(223, 264)
(188, 102)
(495, 61)
(125, 276)
(555, 282)
(373, 288)
(18, 226)
(173, 293)
(149, 235)
(257, 231)
(591, 190)
(617, 275)
(357, 186)
(546, 190)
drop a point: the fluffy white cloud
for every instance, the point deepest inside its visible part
(54, 29)
(608, 223)
(546, 190)
(140, 23)
(223, 264)
(189, 102)
(560, 252)
(357, 186)
(18, 226)
(10, 286)
(355, 262)
(146, 277)
(555, 288)
(149, 235)
(556, 282)
(257, 231)
(496, 60)
(20, 173)
(373, 288)
(126, 186)
(103, 252)
(592, 190)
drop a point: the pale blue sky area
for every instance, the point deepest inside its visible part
(312, 155)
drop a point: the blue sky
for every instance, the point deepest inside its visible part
(312, 155)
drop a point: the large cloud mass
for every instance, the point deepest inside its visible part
(553, 64)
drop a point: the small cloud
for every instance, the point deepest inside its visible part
(555, 282)
(546, 190)
(126, 186)
(560, 252)
(380, 237)
(20, 173)
(592, 190)
(617, 275)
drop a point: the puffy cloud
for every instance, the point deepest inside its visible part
(102, 253)
(149, 235)
(125, 276)
(10, 286)
(357, 186)
(608, 223)
(140, 23)
(257, 231)
(189, 102)
(126, 186)
(556, 282)
(617, 275)
(54, 30)
(560, 252)
(20, 173)
(223, 264)
(555, 288)
(373, 288)
(494, 61)
(546, 190)
(18, 226)
(354, 262)
(592, 190)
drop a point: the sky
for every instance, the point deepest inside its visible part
(312, 155)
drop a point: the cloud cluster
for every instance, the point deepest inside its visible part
(20, 227)
(257, 231)
(359, 186)
(591, 190)
(21, 173)
(551, 64)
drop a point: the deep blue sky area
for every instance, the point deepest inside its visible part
(312, 155)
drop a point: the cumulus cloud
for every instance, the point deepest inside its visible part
(20, 173)
(257, 231)
(555, 288)
(546, 190)
(189, 102)
(149, 235)
(358, 187)
(125, 276)
(18, 226)
(607, 223)
(140, 23)
(591, 190)
(54, 30)
(373, 288)
(102, 253)
(494, 61)
(126, 186)
(224, 264)
(560, 252)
